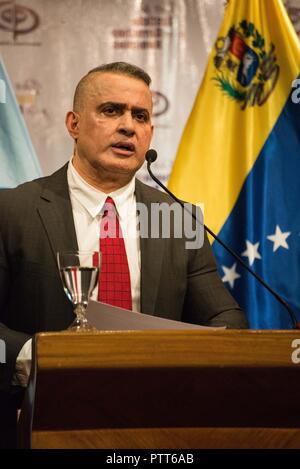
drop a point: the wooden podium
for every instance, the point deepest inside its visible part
(163, 389)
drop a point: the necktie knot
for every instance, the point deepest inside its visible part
(109, 208)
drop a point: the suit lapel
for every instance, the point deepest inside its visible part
(151, 253)
(55, 211)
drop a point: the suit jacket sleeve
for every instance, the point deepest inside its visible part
(207, 300)
(13, 340)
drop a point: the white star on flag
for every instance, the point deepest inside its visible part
(230, 274)
(251, 252)
(279, 239)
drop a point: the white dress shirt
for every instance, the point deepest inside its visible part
(87, 204)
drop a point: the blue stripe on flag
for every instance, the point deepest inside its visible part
(268, 205)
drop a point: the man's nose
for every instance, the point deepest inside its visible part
(126, 124)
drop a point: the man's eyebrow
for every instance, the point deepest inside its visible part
(140, 109)
(123, 106)
(112, 103)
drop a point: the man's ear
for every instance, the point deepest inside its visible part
(72, 121)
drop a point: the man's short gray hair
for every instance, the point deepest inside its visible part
(121, 68)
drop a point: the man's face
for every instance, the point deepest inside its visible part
(113, 129)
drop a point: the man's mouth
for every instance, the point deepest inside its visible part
(123, 148)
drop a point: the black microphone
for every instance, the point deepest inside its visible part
(151, 156)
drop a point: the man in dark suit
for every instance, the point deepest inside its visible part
(111, 128)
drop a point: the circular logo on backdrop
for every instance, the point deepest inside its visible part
(17, 19)
(160, 103)
(246, 68)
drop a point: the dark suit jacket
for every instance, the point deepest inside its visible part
(36, 221)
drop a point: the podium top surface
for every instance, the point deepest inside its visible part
(193, 348)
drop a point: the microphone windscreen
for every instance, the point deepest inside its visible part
(151, 155)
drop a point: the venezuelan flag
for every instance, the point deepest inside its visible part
(240, 156)
(18, 161)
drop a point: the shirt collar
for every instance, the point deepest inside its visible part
(93, 199)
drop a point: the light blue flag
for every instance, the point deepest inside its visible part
(18, 160)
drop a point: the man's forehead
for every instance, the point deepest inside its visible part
(112, 86)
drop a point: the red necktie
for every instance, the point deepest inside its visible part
(114, 279)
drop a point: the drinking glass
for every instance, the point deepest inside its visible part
(79, 272)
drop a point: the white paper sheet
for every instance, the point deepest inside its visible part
(110, 318)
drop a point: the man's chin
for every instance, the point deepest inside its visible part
(124, 167)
